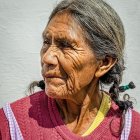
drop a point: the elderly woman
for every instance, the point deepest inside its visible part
(83, 46)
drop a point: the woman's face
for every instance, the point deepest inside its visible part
(68, 63)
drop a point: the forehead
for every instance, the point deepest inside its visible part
(63, 23)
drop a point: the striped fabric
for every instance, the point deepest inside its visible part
(127, 126)
(14, 127)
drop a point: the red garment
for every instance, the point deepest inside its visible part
(39, 119)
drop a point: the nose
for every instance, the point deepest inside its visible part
(50, 57)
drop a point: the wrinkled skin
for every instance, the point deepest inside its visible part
(71, 72)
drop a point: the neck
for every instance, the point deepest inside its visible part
(79, 112)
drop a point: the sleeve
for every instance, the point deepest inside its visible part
(4, 127)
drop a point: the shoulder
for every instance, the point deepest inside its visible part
(24, 110)
(28, 105)
(135, 127)
(136, 119)
(25, 102)
(136, 115)
(22, 105)
(28, 101)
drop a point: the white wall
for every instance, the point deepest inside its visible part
(21, 25)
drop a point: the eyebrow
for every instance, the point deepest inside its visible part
(44, 35)
(59, 39)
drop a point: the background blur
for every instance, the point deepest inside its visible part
(21, 26)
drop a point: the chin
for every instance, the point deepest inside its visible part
(55, 94)
(52, 92)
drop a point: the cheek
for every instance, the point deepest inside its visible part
(71, 61)
(87, 75)
(80, 70)
(83, 71)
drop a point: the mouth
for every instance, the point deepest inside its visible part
(50, 76)
(54, 80)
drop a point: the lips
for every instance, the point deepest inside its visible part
(53, 76)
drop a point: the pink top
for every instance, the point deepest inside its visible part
(39, 119)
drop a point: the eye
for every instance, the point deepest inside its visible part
(46, 45)
(46, 42)
(64, 44)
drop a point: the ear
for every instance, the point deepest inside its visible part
(104, 66)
